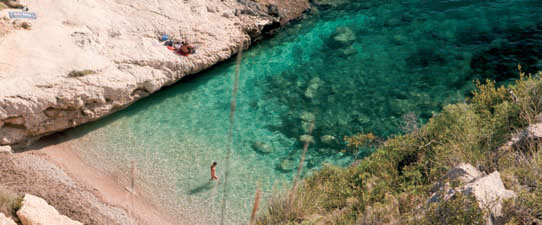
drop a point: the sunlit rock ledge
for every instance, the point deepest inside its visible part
(80, 61)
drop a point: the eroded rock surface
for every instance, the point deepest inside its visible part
(36, 211)
(5, 220)
(117, 40)
(5, 150)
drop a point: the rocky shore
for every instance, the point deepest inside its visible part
(79, 62)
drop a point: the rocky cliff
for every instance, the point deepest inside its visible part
(83, 60)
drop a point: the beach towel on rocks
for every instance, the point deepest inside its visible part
(22, 15)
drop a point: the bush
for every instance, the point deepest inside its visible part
(461, 209)
(80, 73)
(9, 203)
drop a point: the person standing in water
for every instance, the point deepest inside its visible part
(213, 171)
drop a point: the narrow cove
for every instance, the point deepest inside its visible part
(357, 68)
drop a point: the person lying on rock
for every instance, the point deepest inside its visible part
(186, 49)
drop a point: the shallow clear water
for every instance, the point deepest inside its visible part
(404, 57)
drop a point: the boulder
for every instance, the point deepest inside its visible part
(488, 190)
(5, 220)
(343, 37)
(6, 149)
(36, 211)
(262, 147)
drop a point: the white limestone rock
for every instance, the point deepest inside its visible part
(118, 41)
(6, 149)
(36, 211)
(488, 190)
(5, 220)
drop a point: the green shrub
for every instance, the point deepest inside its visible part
(80, 73)
(461, 209)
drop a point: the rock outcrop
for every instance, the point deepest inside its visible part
(117, 42)
(488, 190)
(530, 135)
(5, 149)
(5, 220)
(36, 211)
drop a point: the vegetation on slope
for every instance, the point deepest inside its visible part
(393, 184)
(9, 203)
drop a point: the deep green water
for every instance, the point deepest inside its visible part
(410, 56)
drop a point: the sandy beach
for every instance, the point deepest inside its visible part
(105, 186)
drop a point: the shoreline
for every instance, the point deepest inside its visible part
(104, 186)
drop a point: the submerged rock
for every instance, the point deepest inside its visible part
(36, 211)
(343, 37)
(326, 151)
(286, 164)
(312, 89)
(262, 147)
(307, 116)
(328, 139)
(306, 138)
(350, 51)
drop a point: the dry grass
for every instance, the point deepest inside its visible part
(9, 202)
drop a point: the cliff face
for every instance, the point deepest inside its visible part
(116, 41)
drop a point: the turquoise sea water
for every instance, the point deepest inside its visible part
(399, 57)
